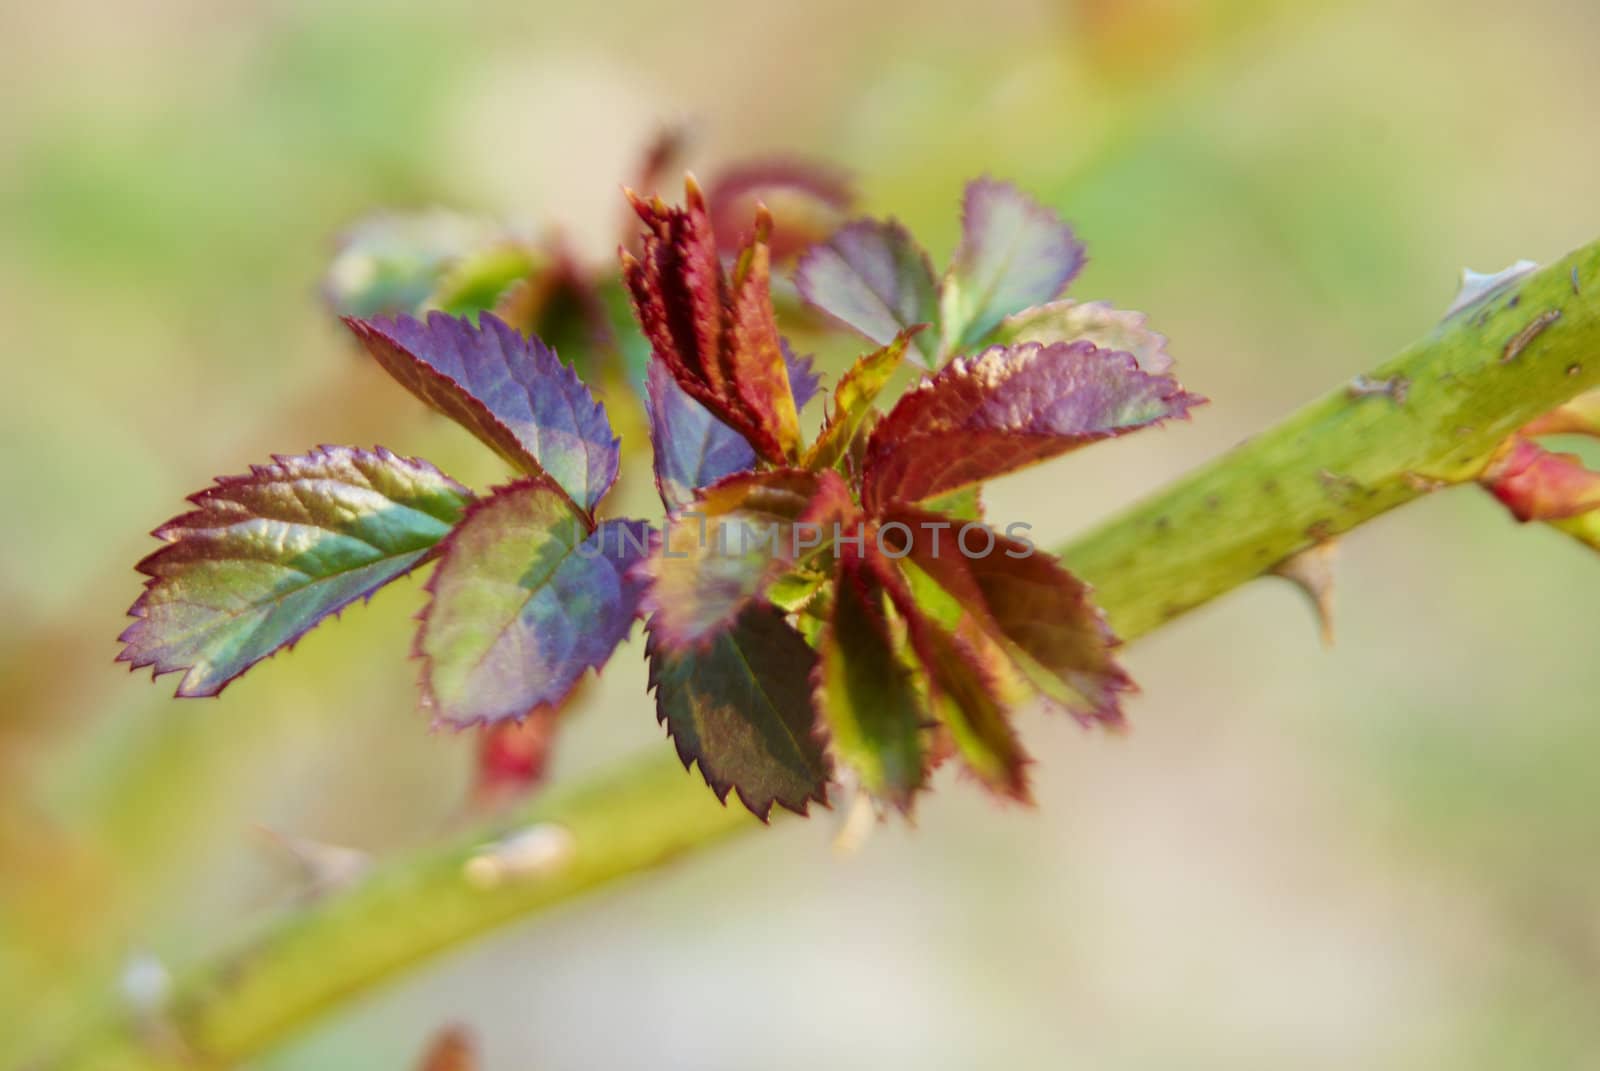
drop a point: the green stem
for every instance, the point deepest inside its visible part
(1334, 464)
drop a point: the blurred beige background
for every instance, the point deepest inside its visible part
(1386, 856)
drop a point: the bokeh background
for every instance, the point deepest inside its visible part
(1383, 856)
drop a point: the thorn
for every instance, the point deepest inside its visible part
(324, 868)
(537, 851)
(1477, 286)
(1311, 570)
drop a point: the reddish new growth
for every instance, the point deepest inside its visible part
(927, 626)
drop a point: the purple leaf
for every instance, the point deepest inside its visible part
(873, 277)
(804, 379)
(693, 449)
(525, 599)
(741, 710)
(509, 390)
(1007, 408)
(264, 557)
(1014, 253)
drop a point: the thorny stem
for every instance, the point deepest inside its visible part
(1340, 461)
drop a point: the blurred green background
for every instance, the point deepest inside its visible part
(1384, 856)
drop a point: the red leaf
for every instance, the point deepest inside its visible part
(807, 201)
(512, 756)
(1021, 597)
(1008, 408)
(964, 689)
(865, 696)
(716, 335)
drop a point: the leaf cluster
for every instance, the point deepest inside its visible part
(817, 607)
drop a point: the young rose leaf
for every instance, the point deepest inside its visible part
(264, 557)
(715, 333)
(509, 390)
(477, 281)
(391, 263)
(864, 696)
(693, 449)
(741, 710)
(1015, 253)
(966, 698)
(807, 202)
(512, 757)
(1007, 408)
(804, 379)
(740, 535)
(1092, 321)
(872, 277)
(1537, 485)
(524, 600)
(1041, 614)
(562, 303)
(852, 402)
(963, 670)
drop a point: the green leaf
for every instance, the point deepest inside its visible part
(741, 710)
(864, 694)
(390, 263)
(264, 557)
(853, 399)
(476, 282)
(966, 674)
